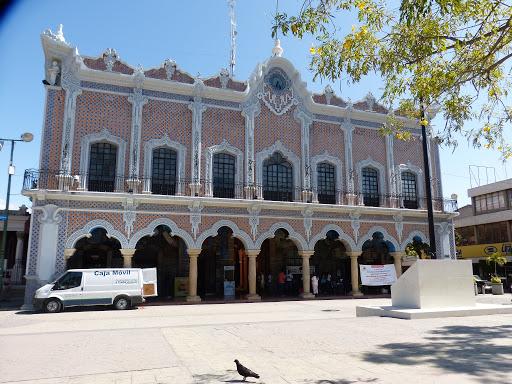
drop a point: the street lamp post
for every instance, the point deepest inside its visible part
(26, 137)
(428, 187)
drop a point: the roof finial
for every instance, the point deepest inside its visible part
(277, 50)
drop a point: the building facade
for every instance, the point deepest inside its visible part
(484, 227)
(216, 179)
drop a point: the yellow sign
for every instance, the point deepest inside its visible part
(483, 250)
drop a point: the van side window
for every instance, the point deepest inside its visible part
(69, 280)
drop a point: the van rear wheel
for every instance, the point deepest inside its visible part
(121, 303)
(53, 306)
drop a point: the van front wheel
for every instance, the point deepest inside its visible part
(121, 303)
(53, 306)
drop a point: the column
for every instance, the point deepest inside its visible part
(305, 120)
(193, 254)
(393, 176)
(127, 256)
(249, 112)
(306, 294)
(397, 257)
(71, 84)
(348, 130)
(17, 269)
(252, 254)
(354, 272)
(49, 220)
(68, 253)
(197, 109)
(138, 101)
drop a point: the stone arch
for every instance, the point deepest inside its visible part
(418, 172)
(347, 241)
(85, 149)
(237, 232)
(224, 147)
(297, 238)
(381, 171)
(164, 142)
(410, 238)
(332, 160)
(83, 232)
(288, 155)
(175, 231)
(387, 237)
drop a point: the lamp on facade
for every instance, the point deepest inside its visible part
(27, 137)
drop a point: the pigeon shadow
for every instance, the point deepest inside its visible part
(226, 378)
(477, 351)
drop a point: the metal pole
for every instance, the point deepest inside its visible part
(6, 213)
(431, 229)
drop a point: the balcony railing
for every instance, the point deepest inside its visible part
(55, 180)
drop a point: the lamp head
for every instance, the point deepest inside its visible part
(27, 137)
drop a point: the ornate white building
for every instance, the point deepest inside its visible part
(160, 168)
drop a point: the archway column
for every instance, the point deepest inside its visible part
(68, 252)
(306, 291)
(127, 256)
(354, 272)
(17, 270)
(252, 254)
(193, 254)
(397, 257)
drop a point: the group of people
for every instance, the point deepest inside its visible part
(327, 285)
(288, 284)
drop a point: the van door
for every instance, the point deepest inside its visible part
(149, 282)
(69, 288)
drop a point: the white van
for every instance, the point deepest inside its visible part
(121, 287)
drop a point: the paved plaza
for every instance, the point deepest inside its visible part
(317, 341)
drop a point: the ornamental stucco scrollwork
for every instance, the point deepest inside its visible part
(170, 68)
(195, 217)
(279, 101)
(109, 58)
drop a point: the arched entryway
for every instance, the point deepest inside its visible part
(222, 266)
(96, 250)
(376, 251)
(279, 256)
(331, 265)
(166, 253)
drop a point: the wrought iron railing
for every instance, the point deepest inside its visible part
(56, 180)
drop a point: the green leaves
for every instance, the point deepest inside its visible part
(454, 53)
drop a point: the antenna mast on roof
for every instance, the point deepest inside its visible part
(232, 59)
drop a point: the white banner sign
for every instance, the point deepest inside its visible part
(377, 274)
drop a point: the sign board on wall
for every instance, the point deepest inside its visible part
(483, 250)
(180, 286)
(375, 275)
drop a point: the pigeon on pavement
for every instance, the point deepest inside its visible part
(245, 372)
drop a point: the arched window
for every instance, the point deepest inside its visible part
(277, 179)
(102, 167)
(370, 186)
(409, 190)
(223, 175)
(326, 175)
(163, 172)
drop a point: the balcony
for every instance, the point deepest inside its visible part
(35, 180)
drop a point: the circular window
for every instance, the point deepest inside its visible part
(277, 82)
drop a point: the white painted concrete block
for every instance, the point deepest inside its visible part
(435, 284)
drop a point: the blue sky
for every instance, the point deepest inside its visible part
(195, 33)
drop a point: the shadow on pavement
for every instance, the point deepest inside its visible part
(226, 378)
(477, 351)
(343, 381)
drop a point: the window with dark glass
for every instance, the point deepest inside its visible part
(68, 281)
(277, 179)
(370, 187)
(326, 183)
(492, 233)
(409, 190)
(223, 175)
(102, 167)
(163, 173)
(490, 202)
